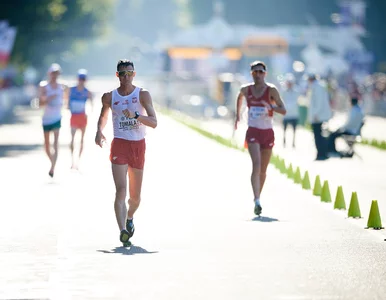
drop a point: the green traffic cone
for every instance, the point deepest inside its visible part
(317, 187)
(325, 196)
(283, 169)
(339, 199)
(354, 210)
(290, 172)
(306, 181)
(374, 220)
(297, 176)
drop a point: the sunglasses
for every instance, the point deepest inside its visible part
(258, 71)
(123, 73)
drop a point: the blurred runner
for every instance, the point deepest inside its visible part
(51, 94)
(291, 96)
(262, 99)
(78, 97)
(132, 110)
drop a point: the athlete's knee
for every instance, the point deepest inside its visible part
(120, 193)
(256, 167)
(134, 200)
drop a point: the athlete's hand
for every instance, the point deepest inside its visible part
(100, 139)
(128, 114)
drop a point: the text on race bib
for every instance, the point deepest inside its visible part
(257, 112)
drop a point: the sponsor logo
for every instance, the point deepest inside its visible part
(115, 157)
(134, 100)
(116, 102)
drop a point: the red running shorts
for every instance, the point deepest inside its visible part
(264, 137)
(126, 152)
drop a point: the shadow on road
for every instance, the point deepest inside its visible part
(128, 251)
(264, 219)
(15, 150)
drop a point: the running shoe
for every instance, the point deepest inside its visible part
(124, 236)
(130, 227)
(258, 209)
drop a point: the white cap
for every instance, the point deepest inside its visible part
(54, 68)
(82, 72)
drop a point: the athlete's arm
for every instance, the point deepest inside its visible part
(147, 103)
(239, 104)
(66, 95)
(103, 117)
(42, 96)
(275, 96)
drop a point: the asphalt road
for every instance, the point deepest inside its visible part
(196, 235)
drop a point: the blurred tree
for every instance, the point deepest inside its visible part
(48, 29)
(267, 13)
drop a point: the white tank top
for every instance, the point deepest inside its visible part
(126, 128)
(260, 113)
(53, 109)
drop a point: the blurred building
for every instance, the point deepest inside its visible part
(218, 46)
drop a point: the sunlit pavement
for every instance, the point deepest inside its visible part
(364, 173)
(196, 235)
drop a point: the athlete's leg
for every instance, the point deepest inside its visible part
(55, 149)
(47, 145)
(83, 131)
(135, 186)
(294, 124)
(120, 180)
(265, 157)
(73, 131)
(285, 124)
(254, 151)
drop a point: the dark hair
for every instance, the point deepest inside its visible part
(354, 101)
(258, 63)
(125, 63)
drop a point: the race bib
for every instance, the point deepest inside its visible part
(128, 124)
(258, 112)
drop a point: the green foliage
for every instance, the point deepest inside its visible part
(375, 143)
(48, 28)
(267, 13)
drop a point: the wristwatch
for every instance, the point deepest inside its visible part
(136, 115)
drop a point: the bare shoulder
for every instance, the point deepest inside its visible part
(271, 86)
(43, 83)
(106, 98)
(245, 87)
(144, 91)
(144, 94)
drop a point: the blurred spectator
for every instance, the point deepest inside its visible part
(352, 126)
(319, 111)
(290, 96)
